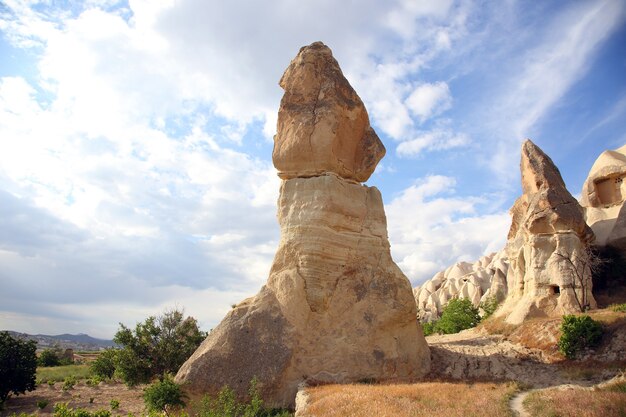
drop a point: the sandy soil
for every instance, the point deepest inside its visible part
(130, 399)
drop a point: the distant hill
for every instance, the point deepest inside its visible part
(78, 342)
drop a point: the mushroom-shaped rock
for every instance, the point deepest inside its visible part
(322, 123)
(335, 308)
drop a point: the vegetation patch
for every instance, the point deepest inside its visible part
(61, 373)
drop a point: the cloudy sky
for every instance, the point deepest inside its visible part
(136, 137)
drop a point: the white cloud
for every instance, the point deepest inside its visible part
(430, 228)
(435, 140)
(428, 100)
(544, 73)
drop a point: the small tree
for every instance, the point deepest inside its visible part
(581, 266)
(18, 365)
(459, 314)
(48, 357)
(104, 365)
(157, 346)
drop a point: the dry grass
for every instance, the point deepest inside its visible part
(415, 400)
(576, 403)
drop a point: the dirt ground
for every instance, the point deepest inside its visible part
(130, 399)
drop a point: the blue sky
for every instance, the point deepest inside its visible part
(136, 137)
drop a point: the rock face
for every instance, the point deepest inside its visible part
(335, 308)
(547, 245)
(476, 282)
(322, 124)
(603, 198)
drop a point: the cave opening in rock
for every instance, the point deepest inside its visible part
(555, 289)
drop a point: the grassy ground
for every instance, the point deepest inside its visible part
(59, 373)
(605, 402)
(416, 400)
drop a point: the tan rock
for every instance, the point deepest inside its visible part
(547, 245)
(322, 123)
(602, 197)
(335, 308)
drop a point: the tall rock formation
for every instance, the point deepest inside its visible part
(335, 308)
(603, 196)
(547, 245)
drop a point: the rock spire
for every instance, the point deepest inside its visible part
(335, 308)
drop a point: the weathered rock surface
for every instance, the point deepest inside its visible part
(335, 308)
(547, 245)
(478, 281)
(322, 123)
(602, 197)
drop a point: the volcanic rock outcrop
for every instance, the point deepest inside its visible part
(547, 245)
(603, 196)
(335, 308)
(478, 281)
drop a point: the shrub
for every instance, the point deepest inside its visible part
(429, 327)
(104, 365)
(577, 333)
(459, 314)
(157, 346)
(115, 404)
(18, 366)
(489, 306)
(163, 395)
(41, 404)
(68, 383)
(48, 357)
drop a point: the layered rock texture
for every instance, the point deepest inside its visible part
(335, 308)
(477, 282)
(547, 245)
(603, 196)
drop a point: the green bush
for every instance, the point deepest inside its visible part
(18, 366)
(429, 327)
(577, 333)
(104, 365)
(41, 404)
(157, 346)
(48, 357)
(163, 395)
(489, 306)
(459, 314)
